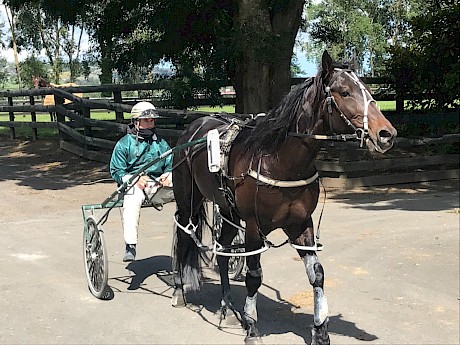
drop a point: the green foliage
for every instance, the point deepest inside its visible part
(295, 67)
(43, 25)
(32, 66)
(348, 28)
(3, 72)
(428, 66)
(86, 69)
(359, 28)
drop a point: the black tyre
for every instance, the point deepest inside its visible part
(236, 263)
(95, 257)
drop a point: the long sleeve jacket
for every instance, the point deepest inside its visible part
(131, 153)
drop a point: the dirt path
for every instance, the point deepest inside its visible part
(391, 259)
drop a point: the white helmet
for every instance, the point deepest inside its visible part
(144, 110)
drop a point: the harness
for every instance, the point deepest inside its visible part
(228, 135)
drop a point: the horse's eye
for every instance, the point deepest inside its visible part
(344, 94)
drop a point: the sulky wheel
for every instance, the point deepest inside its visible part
(236, 263)
(95, 256)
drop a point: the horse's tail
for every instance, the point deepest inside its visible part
(186, 254)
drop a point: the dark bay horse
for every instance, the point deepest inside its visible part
(271, 182)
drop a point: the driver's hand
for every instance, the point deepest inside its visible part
(165, 179)
(142, 182)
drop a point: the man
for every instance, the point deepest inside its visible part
(140, 146)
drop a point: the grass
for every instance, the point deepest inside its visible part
(387, 105)
(225, 109)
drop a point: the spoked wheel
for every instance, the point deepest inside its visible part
(236, 263)
(95, 256)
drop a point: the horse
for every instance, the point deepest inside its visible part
(49, 99)
(269, 181)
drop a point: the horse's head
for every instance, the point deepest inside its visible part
(351, 108)
(35, 80)
(40, 82)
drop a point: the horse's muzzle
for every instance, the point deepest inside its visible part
(383, 141)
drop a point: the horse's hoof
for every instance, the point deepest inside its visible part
(253, 340)
(232, 320)
(177, 299)
(319, 338)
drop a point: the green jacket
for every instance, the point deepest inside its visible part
(127, 159)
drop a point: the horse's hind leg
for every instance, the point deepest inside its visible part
(315, 275)
(186, 253)
(227, 234)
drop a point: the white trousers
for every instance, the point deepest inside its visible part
(132, 203)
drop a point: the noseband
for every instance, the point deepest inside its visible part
(361, 133)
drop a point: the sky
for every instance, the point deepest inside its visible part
(309, 68)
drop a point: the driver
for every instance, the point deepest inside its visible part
(138, 147)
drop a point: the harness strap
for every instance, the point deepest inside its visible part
(190, 230)
(309, 248)
(218, 249)
(278, 183)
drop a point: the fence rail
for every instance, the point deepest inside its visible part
(348, 168)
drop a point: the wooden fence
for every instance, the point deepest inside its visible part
(342, 166)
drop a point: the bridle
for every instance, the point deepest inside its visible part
(360, 134)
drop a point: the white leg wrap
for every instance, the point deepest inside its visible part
(309, 262)
(177, 299)
(250, 307)
(321, 309)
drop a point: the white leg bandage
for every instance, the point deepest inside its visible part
(250, 307)
(321, 308)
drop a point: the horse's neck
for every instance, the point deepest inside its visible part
(294, 160)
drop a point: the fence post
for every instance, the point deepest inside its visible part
(118, 99)
(11, 113)
(399, 104)
(34, 118)
(86, 112)
(59, 117)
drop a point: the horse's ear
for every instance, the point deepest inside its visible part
(326, 62)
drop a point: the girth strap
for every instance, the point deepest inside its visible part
(279, 183)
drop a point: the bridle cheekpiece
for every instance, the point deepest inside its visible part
(361, 133)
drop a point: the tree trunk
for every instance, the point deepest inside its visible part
(10, 16)
(57, 48)
(265, 43)
(43, 37)
(105, 64)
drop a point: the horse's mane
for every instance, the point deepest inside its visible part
(271, 131)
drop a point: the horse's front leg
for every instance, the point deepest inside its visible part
(315, 275)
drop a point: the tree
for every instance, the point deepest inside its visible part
(347, 28)
(39, 28)
(249, 43)
(364, 29)
(429, 63)
(3, 71)
(10, 14)
(31, 66)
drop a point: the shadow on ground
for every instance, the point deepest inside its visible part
(276, 316)
(43, 165)
(425, 196)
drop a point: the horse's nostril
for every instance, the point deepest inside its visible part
(385, 135)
